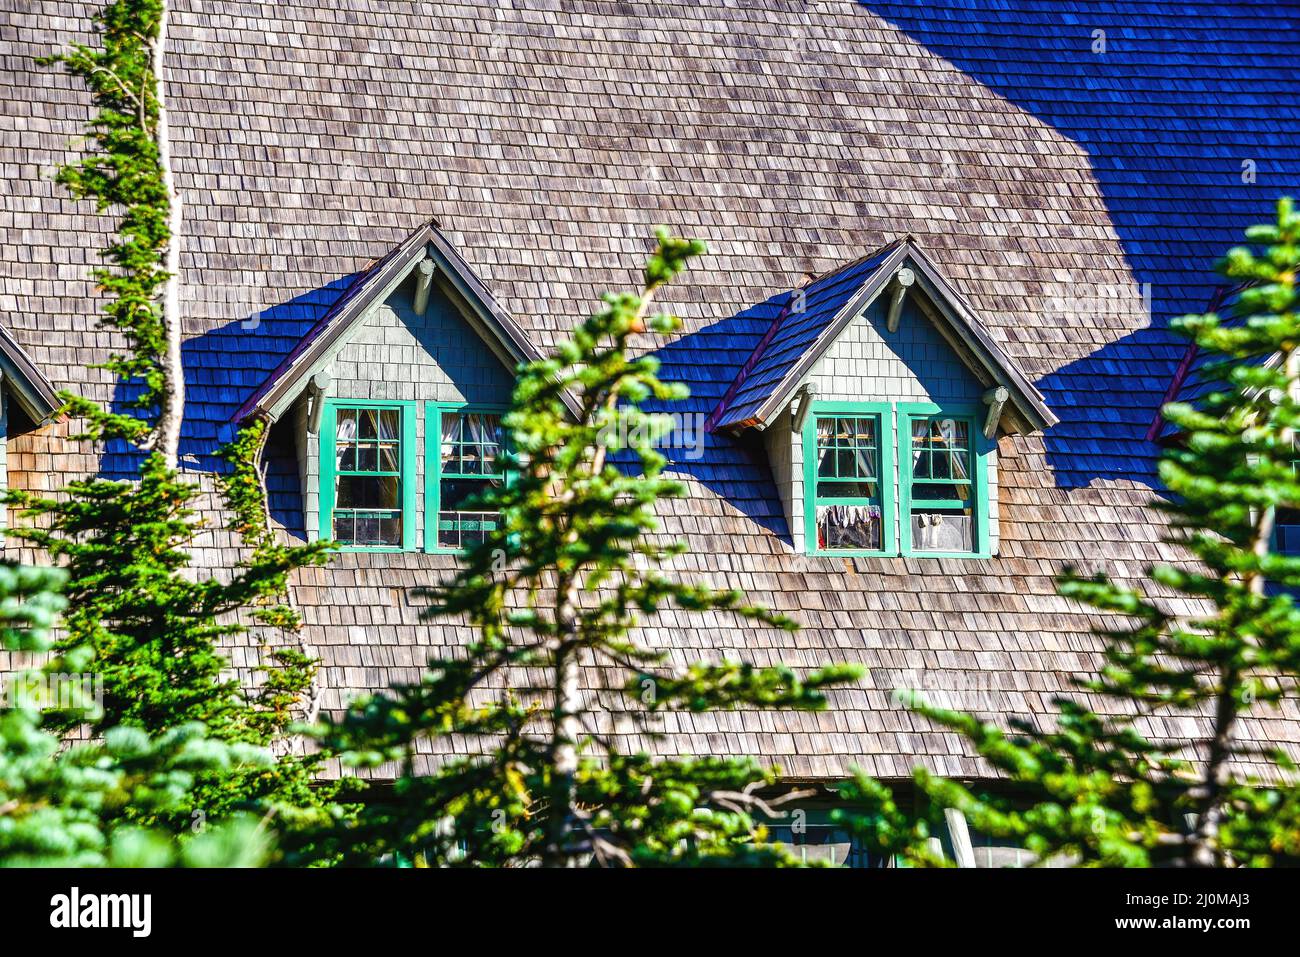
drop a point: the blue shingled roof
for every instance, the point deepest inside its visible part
(795, 332)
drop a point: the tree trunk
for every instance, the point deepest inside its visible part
(172, 410)
(1205, 848)
(565, 728)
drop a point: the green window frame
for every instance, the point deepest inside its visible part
(466, 466)
(1286, 526)
(373, 456)
(836, 467)
(931, 480)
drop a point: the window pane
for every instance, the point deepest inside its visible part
(847, 448)
(347, 425)
(366, 491)
(847, 489)
(940, 449)
(368, 507)
(848, 527)
(826, 844)
(461, 525)
(942, 517)
(471, 444)
(368, 423)
(368, 528)
(943, 530)
(456, 492)
(368, 440)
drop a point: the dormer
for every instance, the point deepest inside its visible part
(27, 399)
(880, 396)
(394, 402)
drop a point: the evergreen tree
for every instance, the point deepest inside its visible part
(77, 806)
(1094, 789)
(575, 562)
(137, 614)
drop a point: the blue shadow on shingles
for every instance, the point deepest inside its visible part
(1168, 114)
(1105, 407)
(222, 368)
(706, 361)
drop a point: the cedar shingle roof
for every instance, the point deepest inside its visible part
(550, 138)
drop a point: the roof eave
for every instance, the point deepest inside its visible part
(33, 390)
(1027, 400)
(1028, 404)
(856, 304)
(282, 387)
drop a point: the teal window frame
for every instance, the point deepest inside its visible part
(883, 413)
(980, 448)
(433, 475)
(1275, 544)
(327, 439)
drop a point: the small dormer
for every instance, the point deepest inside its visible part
(27, 399)
(393, 402)
(881, 396)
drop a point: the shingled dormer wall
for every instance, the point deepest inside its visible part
(867, 363)
(400, 356)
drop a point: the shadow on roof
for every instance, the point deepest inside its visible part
(735, 470)
(1182, 115)
(222, 368)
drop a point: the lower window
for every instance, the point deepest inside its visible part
(469, 464)
(848, 500)
(826, 844)
(368, 483)
(941, 493)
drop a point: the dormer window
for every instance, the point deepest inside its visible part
(934, 457)
(468, 464)
(849, 500)
(367, 474)
(880, 396)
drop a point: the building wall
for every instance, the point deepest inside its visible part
(867, 363)
(399, 356)
(785, 455)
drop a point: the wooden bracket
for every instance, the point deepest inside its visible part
(423, 282)
(316, 389)
(995, 398)
(902, 281)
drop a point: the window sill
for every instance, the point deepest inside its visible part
(857, 553)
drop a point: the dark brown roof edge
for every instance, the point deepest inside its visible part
(1181, 372)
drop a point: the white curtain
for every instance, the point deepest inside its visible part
(450, 432)
(347, 431)
(948, 431)
(920, 441)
